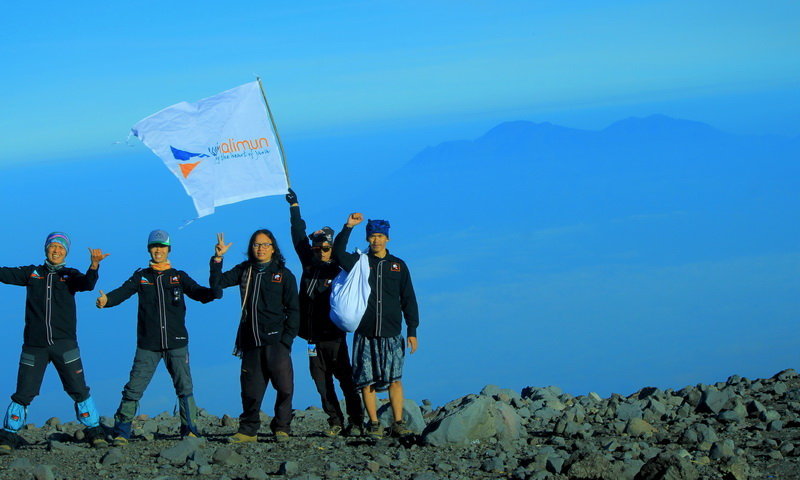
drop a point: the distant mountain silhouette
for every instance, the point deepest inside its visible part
(548, 175)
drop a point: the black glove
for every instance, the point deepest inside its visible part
(291, 197)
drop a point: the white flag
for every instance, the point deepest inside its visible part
(222, 148)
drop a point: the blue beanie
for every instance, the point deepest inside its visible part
(377, 226)
(57, 237)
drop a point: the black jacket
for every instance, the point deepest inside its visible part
(161, 321)
(50, 303)
(271, 294)
(315, 287)
(391, 296)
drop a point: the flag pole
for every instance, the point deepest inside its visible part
(275, 129)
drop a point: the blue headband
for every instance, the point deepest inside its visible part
(377, 226)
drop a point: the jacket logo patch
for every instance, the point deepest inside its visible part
(174, 280)
(145, 281)
(328, 282)
(277, 278)
(395, 267)
(35, 274)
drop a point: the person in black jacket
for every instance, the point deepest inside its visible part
(327, 347)
(270, 317)
(378, 346)
(160, 334)
(50, 336)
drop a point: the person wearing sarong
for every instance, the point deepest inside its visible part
(378, 344)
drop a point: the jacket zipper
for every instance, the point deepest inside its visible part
(310, 314)
(48, 309)
(253, 311)
(379, 299)
(161, 308)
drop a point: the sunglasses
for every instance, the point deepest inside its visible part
(324, 249)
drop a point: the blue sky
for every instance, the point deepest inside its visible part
(358, 89)
(76, 76)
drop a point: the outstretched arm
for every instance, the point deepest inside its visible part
(120, 294)
(195, 291)
(346, 260)
(15, 275)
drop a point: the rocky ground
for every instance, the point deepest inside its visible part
(736, 429)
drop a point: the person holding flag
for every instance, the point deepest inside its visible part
(50, 336)
(378, 346)
(327, 349)
(269, 321)
(161, 334)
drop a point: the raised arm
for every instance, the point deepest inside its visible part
(217, 279)
(86, 282)
(346, 260)
(299, 239)
(16, 275)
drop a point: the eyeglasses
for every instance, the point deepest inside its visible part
(256, 246)
(324, 248)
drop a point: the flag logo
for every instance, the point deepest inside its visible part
(223, 149)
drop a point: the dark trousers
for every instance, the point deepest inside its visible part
(65, 356)
(332, 360)
(261, 365)
(145, 363)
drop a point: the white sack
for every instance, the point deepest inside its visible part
(349, 295)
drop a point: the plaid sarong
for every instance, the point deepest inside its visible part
(377, 361)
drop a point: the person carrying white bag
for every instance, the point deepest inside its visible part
(378, 344)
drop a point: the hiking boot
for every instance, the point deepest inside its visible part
(375, 430)
(399, 429)
(333, 431)
(281, 436)
(119, 441)
(8, 442)
(95, 436)
(242, 438)
(353, 430)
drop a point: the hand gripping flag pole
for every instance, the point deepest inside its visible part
(275, 129)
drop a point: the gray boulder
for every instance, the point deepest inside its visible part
(723, 449)
(473, 418)
(668, 466)
(590, 466)
(626, 411)
(637, 427)
(112, 457)
(714, 400)
(227, 456)
(43, 472)
(181, 451)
